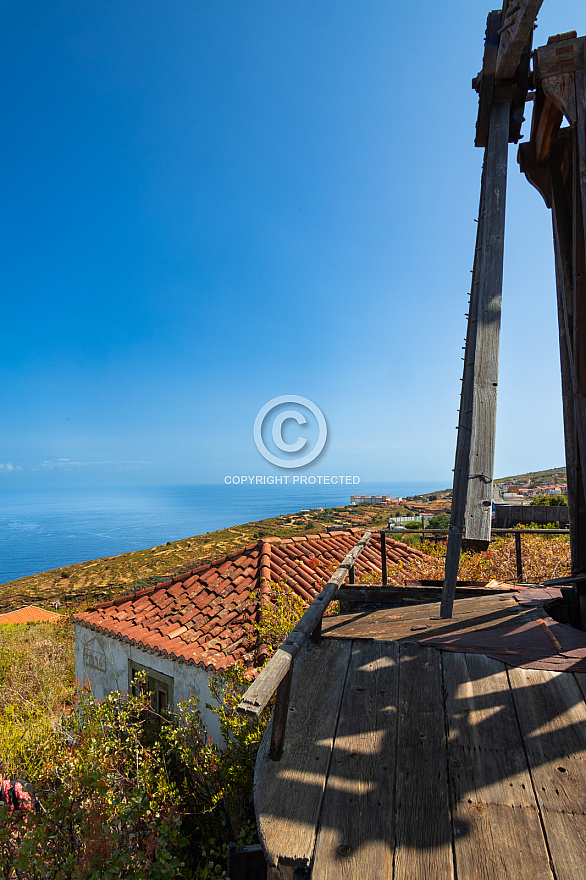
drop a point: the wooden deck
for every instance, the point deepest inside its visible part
(408, 762)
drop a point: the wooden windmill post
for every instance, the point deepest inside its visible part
(554, 161)
(502, 86)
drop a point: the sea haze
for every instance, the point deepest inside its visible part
(45, 529)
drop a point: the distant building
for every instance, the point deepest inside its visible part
(373, 499)
(30, 614)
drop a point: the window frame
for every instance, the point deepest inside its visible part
(155, 677)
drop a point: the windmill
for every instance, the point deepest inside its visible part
(554, 161)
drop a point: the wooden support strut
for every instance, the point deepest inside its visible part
(554, 161)
(484, 306)
(573, 405)
(488, 324)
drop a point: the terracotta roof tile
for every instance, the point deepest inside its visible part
(204, 616)
(29, 614)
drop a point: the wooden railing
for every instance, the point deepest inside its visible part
(277, 674)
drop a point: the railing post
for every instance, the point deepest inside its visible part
(383, 557)
(316, 634)
(351, 575)
(280, 716)
(518, 557)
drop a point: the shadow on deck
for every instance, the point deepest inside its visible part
(404, 760)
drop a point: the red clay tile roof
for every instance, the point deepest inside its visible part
(30, 614)
(204, 617)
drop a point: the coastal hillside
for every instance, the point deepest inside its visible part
(97, 580)
(84, 583)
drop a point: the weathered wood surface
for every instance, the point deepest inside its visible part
(573, 404)
(420, 593)
(581, 680)
(415, 621)
(548, 124)
(462, 462)
(426, 764)
(264, 686)
(423, 825)
(518, 19)
(494, 808)
(488, 314)
(473, 470)
(552, 717)
(562, 91)
(356, 836)
(288, 794)
(559, 56)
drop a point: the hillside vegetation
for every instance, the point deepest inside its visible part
(85, 583)
(128, 794)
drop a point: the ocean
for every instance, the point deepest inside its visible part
(41, 529)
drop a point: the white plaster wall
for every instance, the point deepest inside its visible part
(109, 672)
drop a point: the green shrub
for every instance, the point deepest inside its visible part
(549, 501)
(440, 521)
(124, 792)
(414, 524)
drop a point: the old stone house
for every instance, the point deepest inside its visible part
(183, 630)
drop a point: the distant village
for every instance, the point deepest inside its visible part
(518, 491)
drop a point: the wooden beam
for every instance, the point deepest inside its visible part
(562, 91)
(484, 309)
(518, 19)
(462, 463)
(537, 175)
(548, 126)
(570, 290)
(479, 496)
(559, 56)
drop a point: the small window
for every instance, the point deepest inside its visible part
(158, 685)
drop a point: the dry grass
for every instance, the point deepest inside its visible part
(36, 693)
(37, 665)
(543, 558)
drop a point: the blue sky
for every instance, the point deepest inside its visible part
(208, 204)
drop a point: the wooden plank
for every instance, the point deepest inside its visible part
(413, 621)
(462, 462)
(581, 680)
(562, 91)
(356, 829)
(423, 825)
(579, 281)
(389, 629)
(497, 829)
(264, 686)
(559, 57)
(580, 234)
(550, 119)
(412, 593)
(479, 497)
(288, 794)
(574, 411)
(552, 717)
(518, 19)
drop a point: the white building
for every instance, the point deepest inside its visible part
(182, 631)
